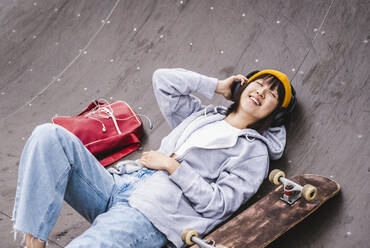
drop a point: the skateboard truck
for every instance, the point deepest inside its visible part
(292, 191)
(190, 237)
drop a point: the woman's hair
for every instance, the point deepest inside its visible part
(265, 123)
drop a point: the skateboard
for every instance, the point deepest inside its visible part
(273, 215)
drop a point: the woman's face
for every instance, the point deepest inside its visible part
(258, 100)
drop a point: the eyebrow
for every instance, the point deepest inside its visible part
(264, 81)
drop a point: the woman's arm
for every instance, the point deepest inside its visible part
(172, 88)
(232, 188)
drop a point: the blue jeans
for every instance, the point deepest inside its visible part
(55, 165)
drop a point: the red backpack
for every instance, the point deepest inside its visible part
(110, 131)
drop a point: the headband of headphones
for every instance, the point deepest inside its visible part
(283, 78)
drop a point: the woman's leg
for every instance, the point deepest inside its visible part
(120, 226)
(55, 165)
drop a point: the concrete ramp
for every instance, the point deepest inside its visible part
(58, 55)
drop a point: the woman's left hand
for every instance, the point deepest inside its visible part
(158, 161)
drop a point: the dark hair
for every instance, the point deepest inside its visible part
(265, 123)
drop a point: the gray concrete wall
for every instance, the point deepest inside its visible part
(58, 55)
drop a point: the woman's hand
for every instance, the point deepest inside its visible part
(158, 161)
(224, 86)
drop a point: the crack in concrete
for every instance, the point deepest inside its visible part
(66, 68)
(313, 40)
(1, 212)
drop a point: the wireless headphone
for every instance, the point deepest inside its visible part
(289, 102)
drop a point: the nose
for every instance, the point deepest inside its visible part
(259, 92)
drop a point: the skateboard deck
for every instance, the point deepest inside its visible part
(270, 217)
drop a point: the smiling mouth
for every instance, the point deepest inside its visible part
(255, 101)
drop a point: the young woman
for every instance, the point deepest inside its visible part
(211, 163)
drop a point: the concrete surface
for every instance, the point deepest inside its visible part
(58, 55)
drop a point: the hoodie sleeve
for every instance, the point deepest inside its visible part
(232, 188)
(172, 88)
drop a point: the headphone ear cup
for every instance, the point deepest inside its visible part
(283, 114)
(280, 118)
(293, 101)
(235, 86)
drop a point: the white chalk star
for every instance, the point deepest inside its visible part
(23, 138)
(57, 43)
(135, 29)
(110, 98)
(34, 4)
(300, 72)
(2, 93)
(85, 52)
(315, 30)
(34, 37)
(111, 60)
(31, 69)
(293, 69)
(108, 21)
(140, 108)
(102, 21)
(366, 41)
(160, 37)
(243, 14)
(181, 2)
(277, 21)
(78, 15)
(323, 32)
(85, 89)
(211, 8)
(256, 60)
(58, 79)
(190, 44)
(14, 30)
(9, 62)
(138, 68)
(222, 51)
(359, 136)
(56, 9)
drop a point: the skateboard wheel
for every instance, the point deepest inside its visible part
(275, 175)
(187, 234)
(309, 192)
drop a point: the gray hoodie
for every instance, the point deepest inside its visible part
(211, 182)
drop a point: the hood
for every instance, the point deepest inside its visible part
(274, 137)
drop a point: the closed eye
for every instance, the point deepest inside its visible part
(269, 91)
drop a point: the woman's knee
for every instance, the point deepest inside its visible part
(48, 132)
(44, 130)
(48, 136)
